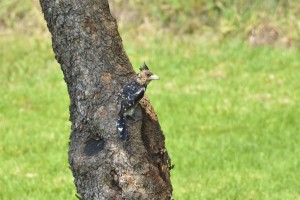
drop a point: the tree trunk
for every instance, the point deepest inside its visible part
(89, 49)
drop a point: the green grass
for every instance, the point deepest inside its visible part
(33, 122)
(229, 112)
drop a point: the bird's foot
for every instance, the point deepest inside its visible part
(133, 119)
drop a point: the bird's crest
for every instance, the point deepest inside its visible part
(144, 67)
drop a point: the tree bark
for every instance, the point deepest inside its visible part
(89, 49)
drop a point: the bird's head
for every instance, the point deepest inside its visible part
(145, 75)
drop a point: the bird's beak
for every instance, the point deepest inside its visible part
(153, 77)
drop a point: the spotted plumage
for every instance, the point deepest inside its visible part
(130, 95)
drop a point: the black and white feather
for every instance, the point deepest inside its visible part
(129, 97)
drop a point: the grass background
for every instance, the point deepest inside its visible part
(230, 112)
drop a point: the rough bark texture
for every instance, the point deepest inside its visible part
(89, 49)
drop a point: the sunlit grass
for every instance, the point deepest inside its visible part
(229, 113)
(33, 122)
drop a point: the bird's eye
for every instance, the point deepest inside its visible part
(148, 75)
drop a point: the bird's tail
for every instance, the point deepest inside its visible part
(122, 128)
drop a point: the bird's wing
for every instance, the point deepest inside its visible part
(130, 97)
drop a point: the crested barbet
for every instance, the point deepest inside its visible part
(130, 95)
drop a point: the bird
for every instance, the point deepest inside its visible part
(130, 95)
